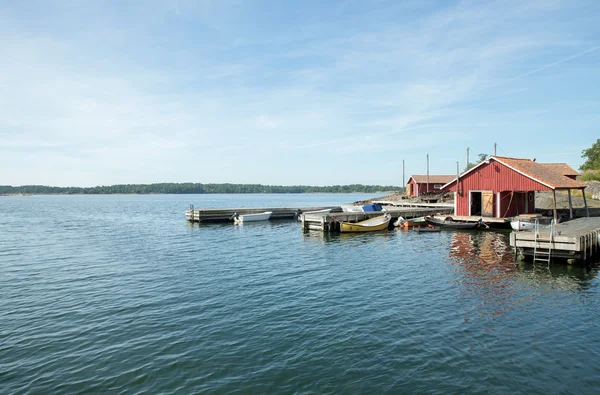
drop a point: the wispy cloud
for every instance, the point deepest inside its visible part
(159, 85)
(563, 60)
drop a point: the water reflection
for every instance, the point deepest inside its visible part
(485, 266)
(487, 272)
(346, 238)
(482, 249)
(559, 275)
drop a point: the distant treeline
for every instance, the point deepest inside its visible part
(185, 188)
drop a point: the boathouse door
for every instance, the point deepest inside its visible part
(487, 204)
(481, 203)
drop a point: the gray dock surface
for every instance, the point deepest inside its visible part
(225, 214)
(576, 239)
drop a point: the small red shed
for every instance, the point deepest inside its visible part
(418, 184)
(504, 187)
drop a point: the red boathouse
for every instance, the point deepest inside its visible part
(418, 184)
(505, 187)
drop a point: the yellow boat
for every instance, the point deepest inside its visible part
(369, 225)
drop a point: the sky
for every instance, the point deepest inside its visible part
(290, 92)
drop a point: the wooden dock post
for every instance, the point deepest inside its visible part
(570, 205)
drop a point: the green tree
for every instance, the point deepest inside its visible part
(194, 188)
(470, 165)
(592, 157)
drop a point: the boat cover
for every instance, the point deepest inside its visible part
(372, 207)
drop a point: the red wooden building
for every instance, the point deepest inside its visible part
(418, 185)
(504, 187)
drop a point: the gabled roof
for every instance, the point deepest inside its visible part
(563, 168)
(433, 179)
(552, 175)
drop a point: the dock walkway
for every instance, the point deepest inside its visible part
(577, 239)
(225, 214)
(406, 203)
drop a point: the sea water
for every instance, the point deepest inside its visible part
(119, 294)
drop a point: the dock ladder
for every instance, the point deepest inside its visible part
(539, 254)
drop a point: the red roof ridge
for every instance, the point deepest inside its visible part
(511, 158)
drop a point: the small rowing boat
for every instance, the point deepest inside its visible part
(411, 222)
(450, 224)
(369, 225)
(252, 217)
(324, 211)
(526, 222)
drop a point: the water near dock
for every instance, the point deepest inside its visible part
(120, 294)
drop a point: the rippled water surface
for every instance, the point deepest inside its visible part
(119, 294)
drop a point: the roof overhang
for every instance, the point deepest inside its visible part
(493, 158)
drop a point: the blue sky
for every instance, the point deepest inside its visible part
(274, 92)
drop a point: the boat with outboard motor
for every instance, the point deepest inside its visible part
(411, 222)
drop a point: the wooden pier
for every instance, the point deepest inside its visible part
(576, 240)
(330, 222)
(226, 214)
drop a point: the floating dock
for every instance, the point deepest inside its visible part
(226, 214)
(576, 240)
(330, 222)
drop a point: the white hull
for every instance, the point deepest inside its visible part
(324, 211)
(525, 225)
(352, 209)
(254, 217)
(521, 225)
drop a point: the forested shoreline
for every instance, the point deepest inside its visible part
(190, 188)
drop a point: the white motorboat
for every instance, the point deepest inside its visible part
(528, 222)
(352, 209)
(253, 217)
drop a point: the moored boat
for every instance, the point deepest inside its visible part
(370, 207)
(451, 224)
(527, 222)
(369, 225)
(324, 211)
(253, 217)
(411, 222)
